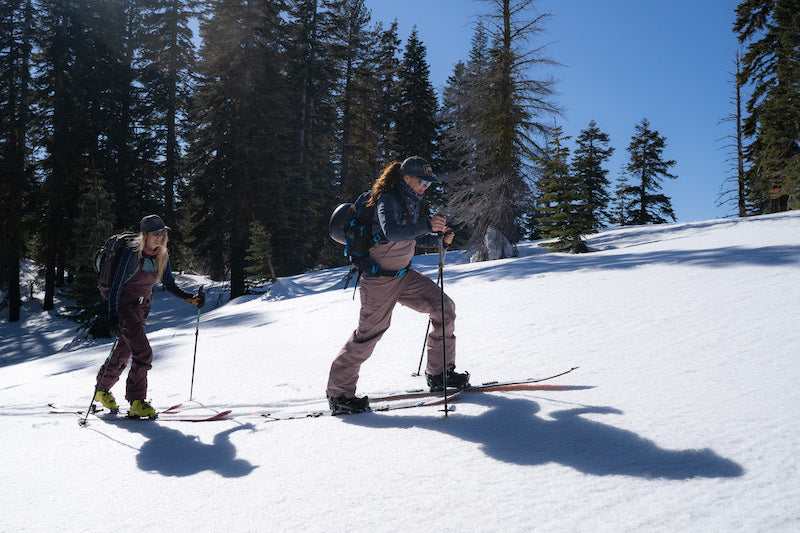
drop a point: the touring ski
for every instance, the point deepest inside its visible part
(497, 386)
(170, 414)
(180, 417)
(373, 409)
(420, 398)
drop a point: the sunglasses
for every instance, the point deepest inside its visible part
(160, 233)
(424, 183)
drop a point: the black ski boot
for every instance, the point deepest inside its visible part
(455, 380)
(342, 405)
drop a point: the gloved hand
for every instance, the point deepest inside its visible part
(198, 299)
(114, 325)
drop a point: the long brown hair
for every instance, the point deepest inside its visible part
(161, 256)
(390, 177)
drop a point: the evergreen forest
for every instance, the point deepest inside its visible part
(243, 124)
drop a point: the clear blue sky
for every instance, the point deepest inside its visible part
(623, 60)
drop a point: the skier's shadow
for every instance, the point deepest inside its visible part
(171, 453)
(510, 431)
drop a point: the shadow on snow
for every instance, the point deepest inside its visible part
(510, 431)
(171, 453)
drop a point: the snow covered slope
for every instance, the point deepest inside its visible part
(683, 414)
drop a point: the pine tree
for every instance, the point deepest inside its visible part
(311, 79)
(415, 121)
(301, 238)
(564, 203)
(236, 161)
(167, 64)
(89, 117)
(259, 254)
(772, 30)
(619, 208)
(587, 167)
(16, 183)
(416, 125)
(125, 152)
(93, 226)
(387, 75)
(353, 49)
(648, 169)
(66, 76)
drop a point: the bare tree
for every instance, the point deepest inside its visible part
(496, 115)
(738, 193)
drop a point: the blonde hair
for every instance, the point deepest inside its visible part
(161, 256)
(390, 177)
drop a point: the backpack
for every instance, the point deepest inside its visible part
(351, 225)
(106, 259)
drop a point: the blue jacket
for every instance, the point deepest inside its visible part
(397, 219)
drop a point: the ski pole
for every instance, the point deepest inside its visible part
(196, 333)
(97, 385)
(422, 353)
(444, 340)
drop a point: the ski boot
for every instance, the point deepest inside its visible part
(455, 380)
(107, 400)
(142, 409)
(342, 405)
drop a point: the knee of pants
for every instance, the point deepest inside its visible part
(449, 308)
(132, 329)
(452, 305)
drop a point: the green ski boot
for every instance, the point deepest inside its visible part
(107, 400)
(142, 409)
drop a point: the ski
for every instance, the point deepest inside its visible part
(419, 398)
(55, 409)
(373, 409)
(170, 414)
(174, 409)
(489, 386)
(176, 417)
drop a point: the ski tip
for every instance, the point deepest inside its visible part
(172, 408)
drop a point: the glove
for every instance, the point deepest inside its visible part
(198, 299)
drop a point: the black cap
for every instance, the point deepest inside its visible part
(151, 223)
(419, 168)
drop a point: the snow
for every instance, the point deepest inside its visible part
(682, 416)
